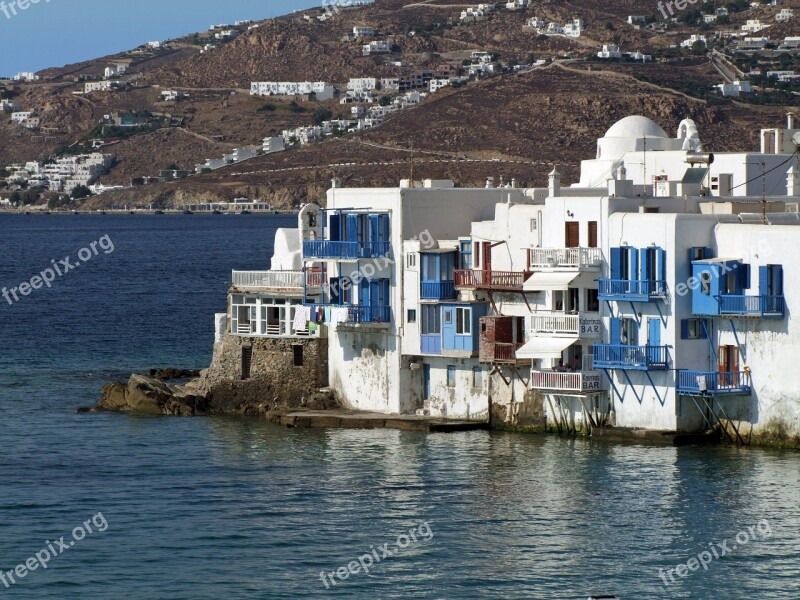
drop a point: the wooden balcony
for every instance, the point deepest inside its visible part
(500, 353)
(510, 281)
(578, 382)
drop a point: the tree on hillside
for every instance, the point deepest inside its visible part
(81, 192)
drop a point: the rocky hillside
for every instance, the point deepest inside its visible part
(549, 115)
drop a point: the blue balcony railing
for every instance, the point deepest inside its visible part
(327, 249)
(631, 290)
(639, 358)
(361, 314)
(755, 306)
(438, 290)
(713, 382)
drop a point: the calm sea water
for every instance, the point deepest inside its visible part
(235, 508)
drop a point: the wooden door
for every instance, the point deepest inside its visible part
(592, 234)
(572, 234)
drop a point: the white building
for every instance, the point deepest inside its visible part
(517, 5)
(376, 47)
(692, 40)
(438, 84)
(273, 144)
(155, 45)
(754, 26)
(536, 23)
(574, 28)
(22, 116)
(226, 34)
(321, 89)
(637, 20)
(98, 86)
(609, 51)
(7, 106)
(735, 88)
(361, 84)
(785, 14)
(115, 71)
(26, 76)
(363, 31)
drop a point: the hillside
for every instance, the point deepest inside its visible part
(551, 114)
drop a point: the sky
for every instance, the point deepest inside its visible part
(53, 33)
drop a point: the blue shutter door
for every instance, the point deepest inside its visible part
(777, 284)
(633, 266)
(654, 340)
(615, 330)
(616, 263)
(646, 275)
(684, 329)
(763, 281)
(661, 265)
(744, 276)
(352, 228)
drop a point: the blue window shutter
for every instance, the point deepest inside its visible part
(335, 290)
(335, 229)
(385, 292)
(352, 228)
(684, 329)
(763, 280)
(383, 223)
(661, 264)
(374, 229)
(778, 280)
(708, 253)
(633, 264)
(646, 275)
(654, 333)
(363, 292)
(744, 276)
(615, 329)
(704, 326)
(616, 263)
(375, 289)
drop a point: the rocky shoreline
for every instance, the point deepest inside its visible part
(199, 396)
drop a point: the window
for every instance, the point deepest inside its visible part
(463, 321)
(431, 320)
(411, 261)
(448, 317)
(247, 361)
(298, 355)
(705, 283)
(466, 254)
(477, 377)
(694, 329)
(592, 300)
(630, 332)
(476, 255)
(592, 234)
(451, 376)
(412, 316)
(534, 225)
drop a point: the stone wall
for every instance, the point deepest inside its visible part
(274, 382)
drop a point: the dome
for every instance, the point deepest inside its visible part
(636, 126)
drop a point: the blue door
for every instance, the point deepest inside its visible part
(448, 328)
(655, 354)
(426, 381)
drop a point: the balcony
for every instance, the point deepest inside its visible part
(290, 282)
(511, 281)
(438, 290)
(566, 258)
(632, 290)
(558, 381)
(636, 358)
(767, 307)
(713, 382)
(500, 353)
(361, 314)
(584, 325)
(334, 250)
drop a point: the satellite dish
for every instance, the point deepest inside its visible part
(796, 138)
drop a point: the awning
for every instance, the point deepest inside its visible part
(549, 281)
(545, 347)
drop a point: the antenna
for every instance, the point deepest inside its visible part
(411, 180)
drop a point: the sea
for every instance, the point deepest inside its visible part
(111, 506)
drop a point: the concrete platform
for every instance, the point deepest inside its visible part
(351, 419)
(645, 436)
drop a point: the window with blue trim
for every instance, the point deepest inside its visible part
(451, 376)
(695, 329)
(465, 254)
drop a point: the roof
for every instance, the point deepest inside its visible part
(636, 126)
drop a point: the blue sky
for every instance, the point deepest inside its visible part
(52, 33)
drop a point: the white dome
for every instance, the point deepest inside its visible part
(636, 126)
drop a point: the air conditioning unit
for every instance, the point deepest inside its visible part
(792, 207)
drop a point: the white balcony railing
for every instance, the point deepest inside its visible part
(572, 258)
(282, 280)
(560, 381)
(584, 325)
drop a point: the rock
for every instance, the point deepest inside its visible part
(168, 374)
(148, 395)
(114, 397)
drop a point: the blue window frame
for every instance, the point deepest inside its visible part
(451, 376)
(694, 329)
(431, 319)
(465, 254)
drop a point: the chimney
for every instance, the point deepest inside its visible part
(790, 120)
(554, 182)
(335, 183)
(793, 182)
(489, 182)
(514, 182)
